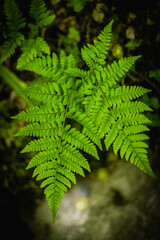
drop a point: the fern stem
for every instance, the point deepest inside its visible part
(15, 83)
(63, 125)
(104, 97)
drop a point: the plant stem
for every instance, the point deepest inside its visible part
(15, 83)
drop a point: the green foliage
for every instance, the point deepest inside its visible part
(73, 34)
(77, 5)
(33, 45)
(133, 44)
(155, 74)
(70, 42)
(14, 82)
(154, 103)
(32, 48)
(40, 14)
(93, 98)
(15, 24)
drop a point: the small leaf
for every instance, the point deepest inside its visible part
(78, 5)
(155, 74)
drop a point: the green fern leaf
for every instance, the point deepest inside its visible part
(75, 138)
(43, 93)
(78, 109)
(53, 68)
(10, 45)
(15, 24)
(15, 21)
(40, 145)
(95, 55)
(89, 128)
(32, 48)
(59, 145)
(39, 12)
(117, 70)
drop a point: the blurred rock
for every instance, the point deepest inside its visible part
(98, 12)
(117, 51)
(125, 207)
(130, 33)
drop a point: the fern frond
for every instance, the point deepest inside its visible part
(10, 45)
(95, 55)
(43, 93)
(134, 119)
(124, 139)
(44, 113)
(15, 24)
(56, 167)
(123, 94)
(15, 21)
(130, 107)
(39, 12)
(118, 116)
(40, 144)
(32, 48)
(104, 39)
(78, 109)
(117, 70)
(37, 130)
(137, 154)
(53, 68)
(59, 145)
(56, 157)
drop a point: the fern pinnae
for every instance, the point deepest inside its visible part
(41, 144)
(138, 137)
(75, 138)
(37, 114)
(89, 127)
(74, 154)
(15, 21)
(112, 132)
(95, 55)
(47, 93)
(124, 93)
(43, 167)
(117, 144)
(93, 99)
(32, 48)
(117, 70)
(43, 157)
(38, 130)
(15, 24)
(48, 162)
(134, 119)
(39, 12)
(71, 165)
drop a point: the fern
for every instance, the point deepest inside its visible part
(39, 12)
(32, 48)
(33, 45)
(93, 99)
(15, 24)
